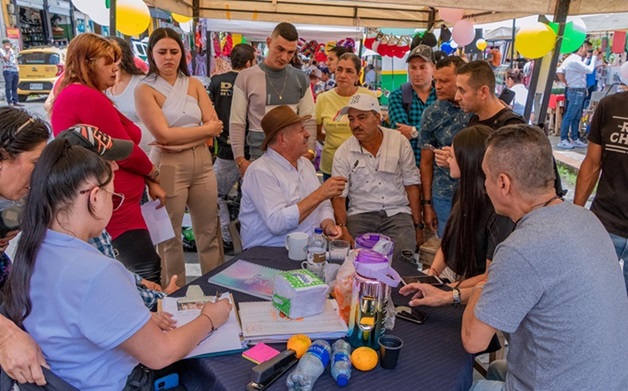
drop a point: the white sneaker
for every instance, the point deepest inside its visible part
(565, 144)
(580, 144)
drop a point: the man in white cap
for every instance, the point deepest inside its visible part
(382, 179)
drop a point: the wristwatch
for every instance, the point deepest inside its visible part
(415, 133)
(456, 298)
(419, 226)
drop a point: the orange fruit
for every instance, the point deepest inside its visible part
(364, 358)
(299, 343)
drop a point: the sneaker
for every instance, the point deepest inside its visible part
(18, 104)
(580, 144)
(565, 144)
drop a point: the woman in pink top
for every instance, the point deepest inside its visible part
(91, 67)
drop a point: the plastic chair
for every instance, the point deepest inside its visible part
(236, 239)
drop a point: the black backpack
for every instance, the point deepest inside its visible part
(507, 116)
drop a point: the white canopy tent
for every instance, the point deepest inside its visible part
(377, 13)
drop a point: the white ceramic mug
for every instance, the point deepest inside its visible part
(296, 244)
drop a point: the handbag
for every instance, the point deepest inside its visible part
(140, 379)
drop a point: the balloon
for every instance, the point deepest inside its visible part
(464, 32)
(181, 18)
(450, 15)
(132, 17)
(97, 10)
(447, 48)
(535, 41)
(574, 35)
(623, 72)
(244, 40)
(186, 26)
(481, 44)
(236, 38)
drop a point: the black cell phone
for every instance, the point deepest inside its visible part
(410, 314)
(432, 280)
(507, 95)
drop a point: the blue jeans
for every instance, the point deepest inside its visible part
(442, 207)
(495, 378)
(573, 114)
(326, 177)
(227, 175)
(621, 248)
(10, 85)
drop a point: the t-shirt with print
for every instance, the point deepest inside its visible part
(609, 129)
(440, 122)
(336, 129)
(221, 94)
(559, 293)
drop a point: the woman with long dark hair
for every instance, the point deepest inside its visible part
(79, 305)
(177, 111)
(473, 229)
(91, 68)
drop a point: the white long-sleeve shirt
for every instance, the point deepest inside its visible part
(271, 190)
(576, 70)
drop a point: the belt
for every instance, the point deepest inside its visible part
(576, 89)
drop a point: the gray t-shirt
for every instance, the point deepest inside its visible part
(555, 285)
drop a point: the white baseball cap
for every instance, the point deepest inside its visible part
(362, 102)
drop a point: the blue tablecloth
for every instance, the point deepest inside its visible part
(432, 357)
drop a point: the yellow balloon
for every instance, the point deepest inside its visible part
(535, 41)
(132, 17)
(236, 39)
(481, 44)
(181, 18)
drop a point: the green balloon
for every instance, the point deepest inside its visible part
(244, 40)
(574, 36)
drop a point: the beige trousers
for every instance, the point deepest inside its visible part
(188, 179)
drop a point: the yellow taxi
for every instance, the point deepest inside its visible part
(39, 69)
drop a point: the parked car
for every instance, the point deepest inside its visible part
(39, 69)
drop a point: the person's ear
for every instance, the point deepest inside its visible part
(504, 184)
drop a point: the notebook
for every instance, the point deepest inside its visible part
(247, 277)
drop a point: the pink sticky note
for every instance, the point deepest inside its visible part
(260, 353)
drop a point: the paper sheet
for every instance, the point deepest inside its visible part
(225, 339)
(158, 222)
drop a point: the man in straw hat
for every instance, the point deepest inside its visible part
(281, 192)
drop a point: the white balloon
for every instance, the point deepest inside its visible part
(186, 26)
(95, 9)
(464, 32)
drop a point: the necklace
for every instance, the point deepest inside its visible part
(541, 205)
(285, 81)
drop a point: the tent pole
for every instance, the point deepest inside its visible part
(512, 44)
(195, 14)
(560, 17)
(112, 17)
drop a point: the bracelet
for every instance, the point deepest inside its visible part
(477, 287)
(341, 225)
(238, 164)
(419, 226)
(210, 320)
(456, 298)
(426, 202)
(155, 174)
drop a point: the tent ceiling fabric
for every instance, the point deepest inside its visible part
(377, 13)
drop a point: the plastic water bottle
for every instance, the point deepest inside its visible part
(341, 362)
(310, 367)
(317, 247)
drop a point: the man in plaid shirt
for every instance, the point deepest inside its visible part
(407, 121)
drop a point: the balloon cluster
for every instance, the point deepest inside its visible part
(132, 16)
(538, 39)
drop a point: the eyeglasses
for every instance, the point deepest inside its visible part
(116, 198)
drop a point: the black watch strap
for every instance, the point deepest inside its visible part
(426, 202)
